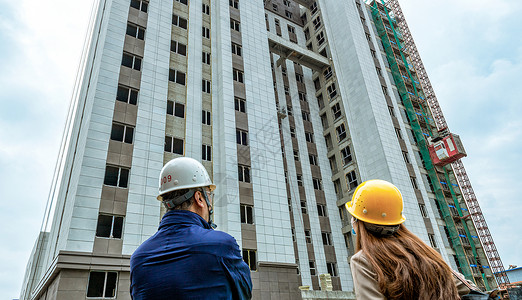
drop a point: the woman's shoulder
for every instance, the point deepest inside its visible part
(359, 260)
(359, 257)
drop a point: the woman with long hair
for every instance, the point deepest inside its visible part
(391, 262)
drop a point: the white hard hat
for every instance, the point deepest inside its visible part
(183, 173)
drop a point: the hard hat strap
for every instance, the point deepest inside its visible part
(210, 210)
(381, 230)
(171, 203)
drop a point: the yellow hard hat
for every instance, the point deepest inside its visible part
(377, 202)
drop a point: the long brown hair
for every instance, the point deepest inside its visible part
(406, 267)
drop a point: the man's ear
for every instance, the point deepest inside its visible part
(198, 197)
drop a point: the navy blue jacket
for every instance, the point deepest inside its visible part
(186, 259)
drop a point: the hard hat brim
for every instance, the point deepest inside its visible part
(174, 188)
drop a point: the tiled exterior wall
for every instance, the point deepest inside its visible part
(297, 187)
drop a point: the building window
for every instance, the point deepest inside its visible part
(331, 268)
(374, 54)
(423, 210)
(405, 156)
(205, 58)
(234, 3)
(136, 31)
(174, 145)
(317, 22)
(122, 133)
(296, 155)
(276, 21)
(304, 210)
(140, 5)
(127, 95)
(205, 32)
(235, 25)
(240, 104)
(299, 78)
(431, 236)
(286, 2)
(237, 75)
(321, 210)
(320, 101)
(206, 117)
(205, 9)
(206, 86)
(338, 189)
(414, 183)
(328, 141)
(385, 90)
(288, 14)
(247, 214)
(242, 137)
(379, 72)
(115, 176)
(398, 133)
(327, 238)
(175, 109)
(109, 226)
(283, 71)
(317, 84)
(306, 116)
(328, 73)
(333, 164)
(299, 180)
(236, 49)
(206, 152)
(249, 256)
(292, 132)
(313, 159)
(102, 284)
(287, 90)
(312, 267)
(341, 132)
(178, 48)
(182, 1)
(336, 111)
(131, 61)
(177, 76)
(243, 173)
(291, 29)
(308, 236)
(179, 21)
(289, 110)
(317, 184)
(320, 38)
(351, 178)
(309, 137)
(302, 96)
(347, 155)
(332, 90)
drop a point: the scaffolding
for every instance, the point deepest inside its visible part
(404, 60)
(458, 168)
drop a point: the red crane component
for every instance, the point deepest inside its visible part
(458, 168)
(446, 150)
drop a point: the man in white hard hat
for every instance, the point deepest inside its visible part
(187, 258)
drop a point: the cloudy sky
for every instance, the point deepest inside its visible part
(472, 50)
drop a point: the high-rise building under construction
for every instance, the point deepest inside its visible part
(289, 105)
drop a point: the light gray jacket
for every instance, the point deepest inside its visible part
(365, 281)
